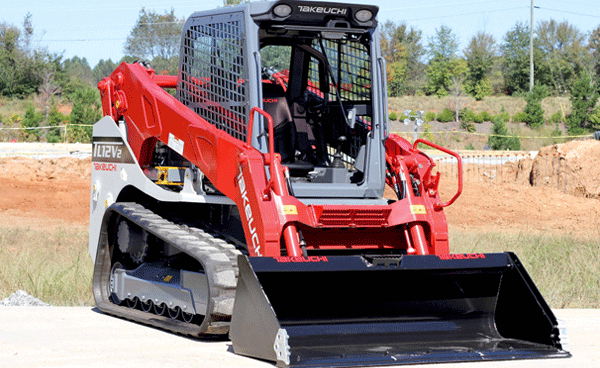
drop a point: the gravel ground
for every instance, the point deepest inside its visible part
(21, 299)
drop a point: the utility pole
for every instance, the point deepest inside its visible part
(531, 50)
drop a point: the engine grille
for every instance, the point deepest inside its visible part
(354, 217)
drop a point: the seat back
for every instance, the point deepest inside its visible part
(275, 104)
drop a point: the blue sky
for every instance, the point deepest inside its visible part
(97, 30)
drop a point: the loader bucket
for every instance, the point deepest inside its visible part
(361, 311)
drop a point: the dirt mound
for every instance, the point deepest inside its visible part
(571, 167)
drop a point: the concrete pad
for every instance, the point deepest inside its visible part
(84, 337)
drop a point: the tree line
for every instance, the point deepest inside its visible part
(566, 63)
(48, 80)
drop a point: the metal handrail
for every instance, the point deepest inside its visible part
(451, 153)
(271, 163)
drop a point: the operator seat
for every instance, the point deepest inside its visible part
(284, 129)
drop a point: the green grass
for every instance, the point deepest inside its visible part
(9, 106)
(53, 266)
(565, 269)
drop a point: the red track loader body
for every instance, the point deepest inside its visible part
(250, 201)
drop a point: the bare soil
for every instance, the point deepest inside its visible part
(55, 192)
(44, 193)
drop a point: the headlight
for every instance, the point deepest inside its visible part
(363, 15)
(282, 10)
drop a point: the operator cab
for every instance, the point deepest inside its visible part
(317, 85)
(315, 68)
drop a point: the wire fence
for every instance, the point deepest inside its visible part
(493, 168)
(19, 133)
(459, 139)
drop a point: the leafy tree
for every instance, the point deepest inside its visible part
(594, 47)
(481, 89)
(54, 135)
(21, 65)
(397, 78)
(32, 119)
(468, 126)
(18, 69)
(499, 139)
(438, 82)
(533, 109)
(276, 57)
(458, 73)
(427, 132)
(79, 73)
(480, 59)
(584, 97)
(515, 60)
(87, 110)
(486, 116)
(402, 50)
(444, 45)
(502, 116)
(429, 116)
(442, 49)
(564, 52)
(479, 118)
(445, 116)
(103, 69)
(520, 117)
(156, 38)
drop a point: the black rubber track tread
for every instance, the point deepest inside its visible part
(229, 249)
(215, 256)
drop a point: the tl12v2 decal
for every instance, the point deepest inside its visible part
(112, 150)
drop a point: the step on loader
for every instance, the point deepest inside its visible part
(245, 197)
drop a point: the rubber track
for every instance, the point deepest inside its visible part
(229, 249)
(217, 257)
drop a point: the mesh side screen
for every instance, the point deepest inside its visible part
(212, 72)
(350, 63)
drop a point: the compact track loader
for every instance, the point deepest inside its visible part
(245, 196)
